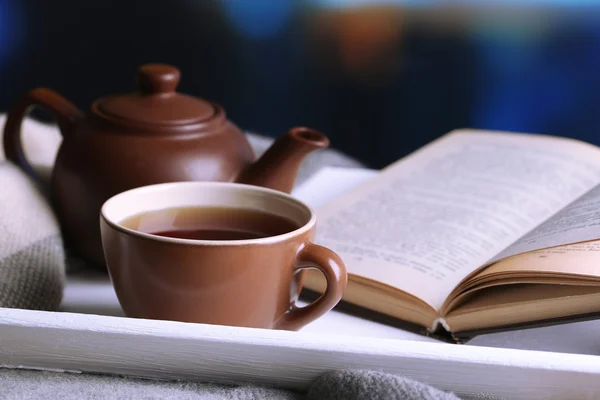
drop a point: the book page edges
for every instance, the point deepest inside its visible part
(575, 263)
(524, 304)
(377, 297)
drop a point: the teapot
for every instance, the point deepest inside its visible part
(152, 135)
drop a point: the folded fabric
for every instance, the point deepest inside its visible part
(338, 385)
(355, 385)
(32, 258)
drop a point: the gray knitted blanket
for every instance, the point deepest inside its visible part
(336, 385)
(33, 270)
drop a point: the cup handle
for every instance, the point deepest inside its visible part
(330, 264)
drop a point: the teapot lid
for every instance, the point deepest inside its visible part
(156, 102)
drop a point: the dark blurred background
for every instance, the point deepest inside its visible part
(380, 78)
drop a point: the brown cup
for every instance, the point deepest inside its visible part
(247, 283)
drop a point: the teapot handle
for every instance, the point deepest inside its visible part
(65, 112)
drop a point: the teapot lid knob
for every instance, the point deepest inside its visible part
(157, 78)
(156, 105)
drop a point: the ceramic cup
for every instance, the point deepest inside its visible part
(247, 283)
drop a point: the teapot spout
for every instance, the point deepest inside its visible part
(279, 165)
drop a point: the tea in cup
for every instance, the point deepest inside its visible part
(216, 253)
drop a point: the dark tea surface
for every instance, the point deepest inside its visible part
(210, 223)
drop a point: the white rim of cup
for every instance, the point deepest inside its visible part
(241, 186)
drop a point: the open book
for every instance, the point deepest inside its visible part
(476, 232)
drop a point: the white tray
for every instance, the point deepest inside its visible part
(90, 334)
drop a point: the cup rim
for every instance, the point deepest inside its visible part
(197, 242)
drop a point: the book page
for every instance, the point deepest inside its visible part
(427, 221)
(578, 222)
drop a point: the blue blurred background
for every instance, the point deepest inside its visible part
(380, 78)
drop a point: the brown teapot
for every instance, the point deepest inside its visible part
(153, 135)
